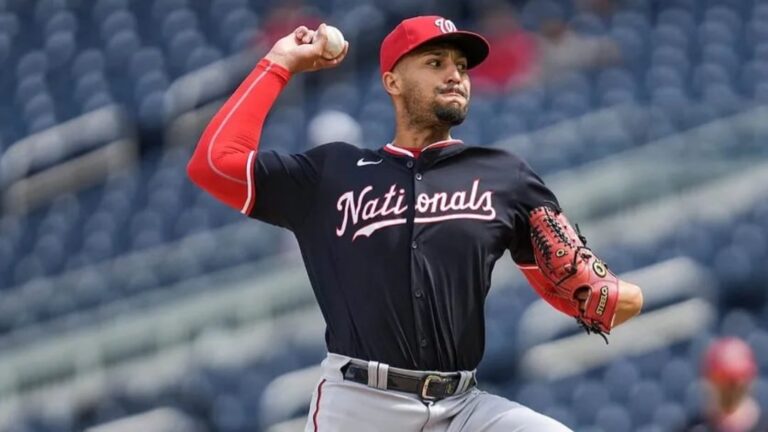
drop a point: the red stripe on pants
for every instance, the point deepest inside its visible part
(317, 404)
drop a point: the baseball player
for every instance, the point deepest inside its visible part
(400, 242)
(730, 369)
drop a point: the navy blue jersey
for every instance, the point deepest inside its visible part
(400, 250)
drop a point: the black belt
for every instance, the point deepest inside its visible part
(429, 387)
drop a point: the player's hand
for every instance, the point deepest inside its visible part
(630, 301)
(582, 296)
(297, 51)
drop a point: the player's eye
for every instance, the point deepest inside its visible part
(462, 66)
(434, 62)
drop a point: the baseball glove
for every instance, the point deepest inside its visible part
(574, 271)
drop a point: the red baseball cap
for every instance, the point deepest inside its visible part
(729, 359)
(414, 32)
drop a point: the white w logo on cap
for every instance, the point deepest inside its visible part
(445, 25)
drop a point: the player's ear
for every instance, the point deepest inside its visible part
(392, 83)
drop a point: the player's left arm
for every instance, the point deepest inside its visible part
(629, 305)
(569, 275)
(556, 261)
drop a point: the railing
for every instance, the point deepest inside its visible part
(215, 347)
(73, 155)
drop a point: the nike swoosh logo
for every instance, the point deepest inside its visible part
(363, 162)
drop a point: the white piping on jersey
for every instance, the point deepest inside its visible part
(401, 150)
(224, 122)
(443, 142)
(249, 175)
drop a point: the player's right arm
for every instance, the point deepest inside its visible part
(224, 160)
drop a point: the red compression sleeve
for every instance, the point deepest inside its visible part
(223, 161)
(543, 287)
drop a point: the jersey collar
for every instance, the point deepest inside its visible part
(399, 151)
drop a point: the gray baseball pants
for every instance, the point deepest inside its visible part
(345, 406)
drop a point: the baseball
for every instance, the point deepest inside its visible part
(335, 44)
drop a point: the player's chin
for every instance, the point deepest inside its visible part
(451, 114)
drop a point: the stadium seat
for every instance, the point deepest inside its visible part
(758, 341)
(716, 33)
(677, 18)
(724, 14)
(537, 396)
(32, 63)
(44, 9)
(663, 76)
(9, 23)
(669, 36)
(119, 47)
(631, 19)
(62, 21)
(163, 8)
(177, 21)
(87, 61)
(562, 414)
(103, 8)
(613, 417)
(587, 399)
(759, 10)
(237, 29)
(675, 377)
(220, 9)
(116, 22)
(60, 47)
(181, 45)
(673, 57)
(200, 57)
(588, 23)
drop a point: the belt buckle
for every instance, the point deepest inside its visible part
(425, 386)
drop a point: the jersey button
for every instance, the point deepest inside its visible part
(418, 293)
(423, 342)
(409, 164)
(418, 176)
(414, 245)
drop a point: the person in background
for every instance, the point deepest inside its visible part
(562, 50)
(729, 369)
(282, 19)
(513, 60)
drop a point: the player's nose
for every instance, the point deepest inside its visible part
(453, 73)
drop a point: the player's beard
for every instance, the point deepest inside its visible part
(451, 114)
(422, 113)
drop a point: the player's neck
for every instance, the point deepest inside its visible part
(418, 138)
(743, 416)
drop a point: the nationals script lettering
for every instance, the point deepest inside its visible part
(367, 214)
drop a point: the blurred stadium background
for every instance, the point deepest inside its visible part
(130, 300)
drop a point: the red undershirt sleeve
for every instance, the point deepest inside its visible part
(531, 192)
(223, 162)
